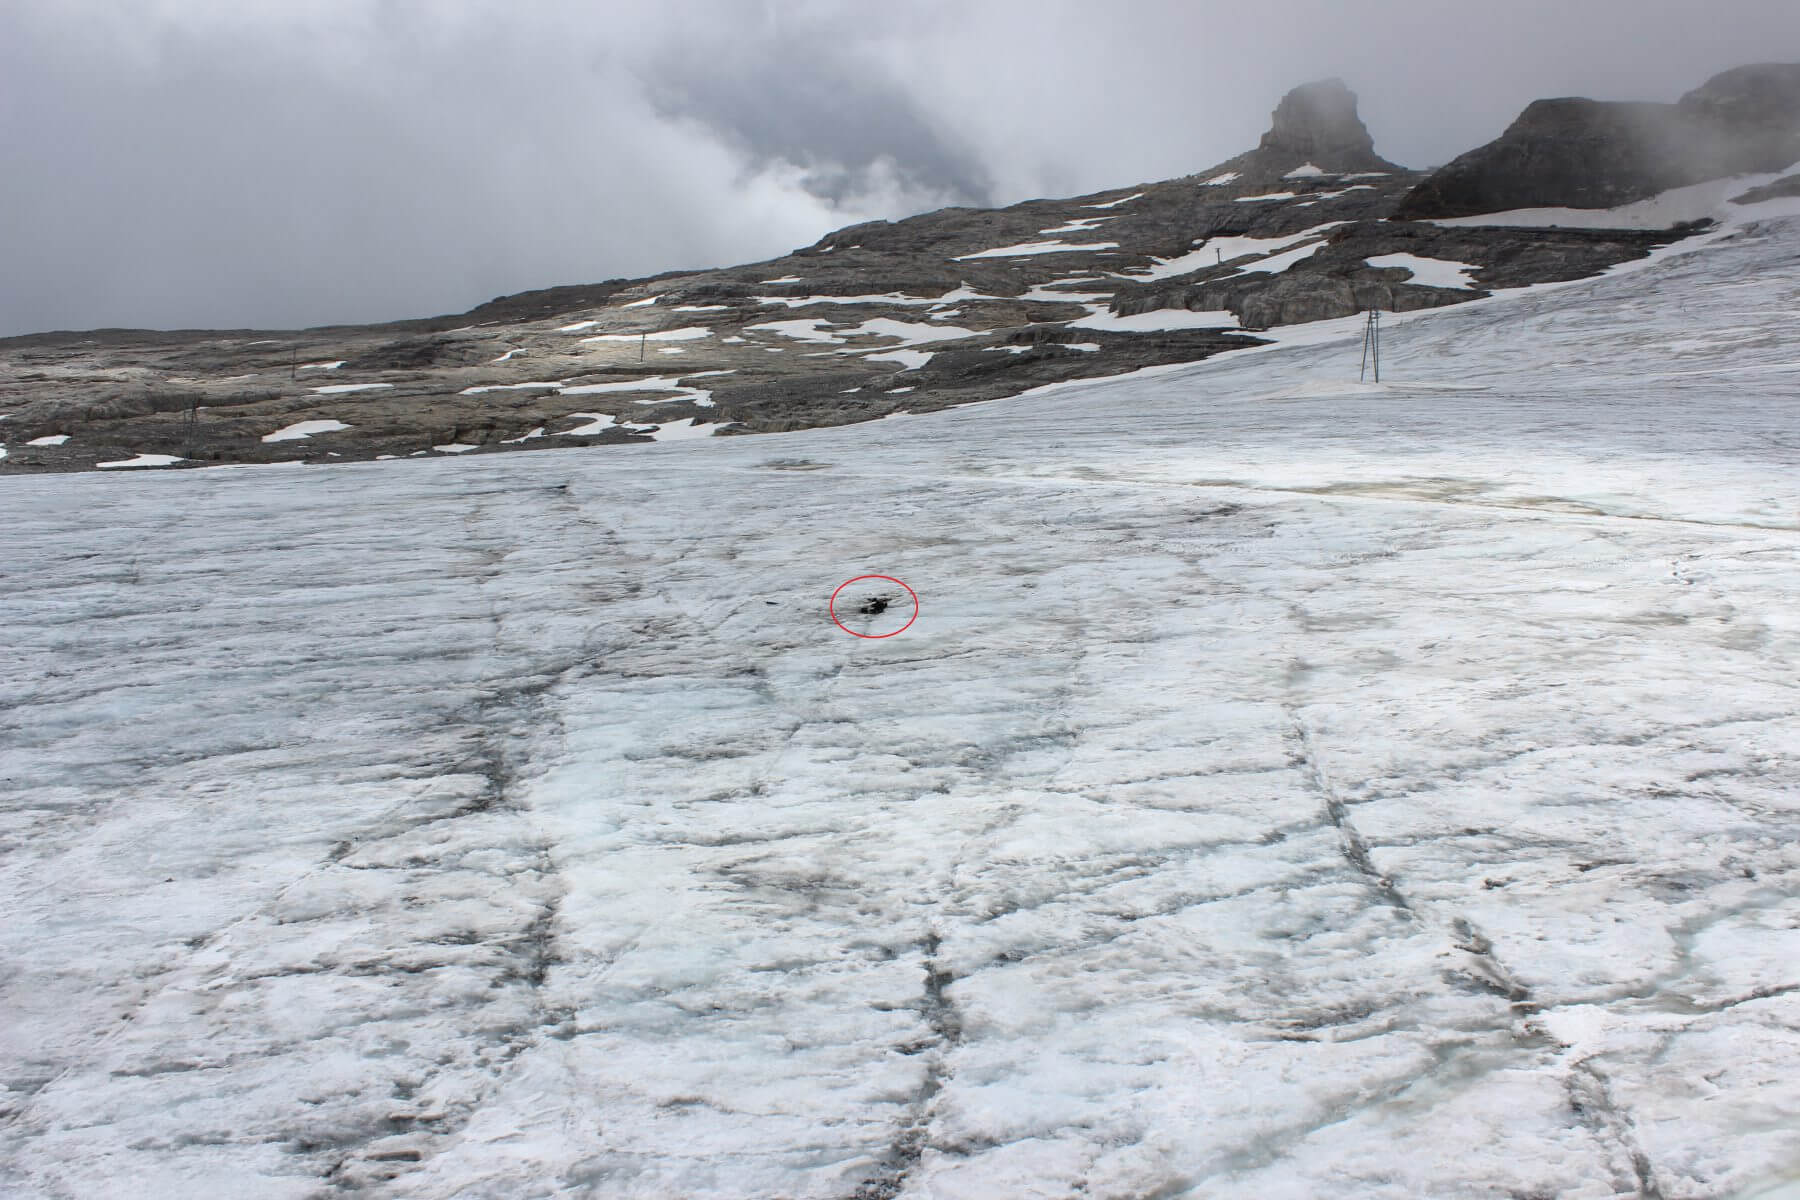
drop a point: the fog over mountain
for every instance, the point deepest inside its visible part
(193, 162)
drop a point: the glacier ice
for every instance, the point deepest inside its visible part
(1285, 789)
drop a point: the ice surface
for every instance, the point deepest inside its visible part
(814, 329)
(965, 292)
(906, 333)
(1079, 225)
(1119, 201)
(1218, 250)
(595, 423)
(512, 387)
(649, 383)
(891, 298)
(1287, 790)
(303, 429)
(1691, 203)
(682, 430)
(1275, 264)
(909, 360)
(141, 460)
(1025, 248)
(1156, 321)
(688, 334)
(1058, 295)
(911, 333)
(1429, 272)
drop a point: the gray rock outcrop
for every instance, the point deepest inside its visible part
(1318, 120)
(1315, 123)
(1579, 153)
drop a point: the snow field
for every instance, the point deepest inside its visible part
(1027, 248)
(300, 430)
(1225, 249)
(1116, 203)
(690, 333)
(141, 460)
(1429, 272)
(1078, 225)
(1369, 793)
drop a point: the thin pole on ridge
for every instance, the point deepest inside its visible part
(190, 429)
(1371, 349)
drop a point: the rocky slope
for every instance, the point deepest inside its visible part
(1579, 153)
(937, 310)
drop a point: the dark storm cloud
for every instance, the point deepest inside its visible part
(170, 162)
(794, 101)
(286, 164)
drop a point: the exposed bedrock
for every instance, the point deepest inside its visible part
(1338, 280)
(1580, 153)
(1315, 124)
(1318, 119)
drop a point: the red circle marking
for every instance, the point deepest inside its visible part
(874, 636)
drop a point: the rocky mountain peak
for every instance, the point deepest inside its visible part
(1580, 153)
(1317, 122)
(1755, 98)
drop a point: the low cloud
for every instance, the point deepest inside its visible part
(204, 162)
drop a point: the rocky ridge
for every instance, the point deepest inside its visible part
(1581, 153)
(941, 309)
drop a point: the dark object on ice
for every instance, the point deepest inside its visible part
(870, 607)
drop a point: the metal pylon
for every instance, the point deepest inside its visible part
(1372, 345)
(190, 430)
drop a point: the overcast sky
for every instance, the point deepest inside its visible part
(277, 163)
